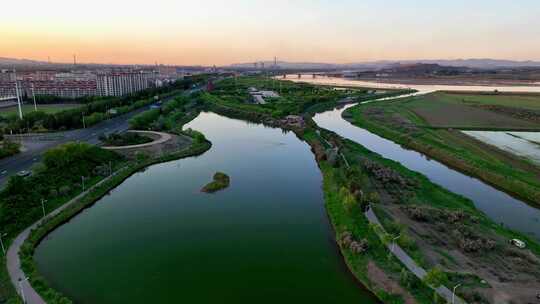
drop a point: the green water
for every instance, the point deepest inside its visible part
(158, 239)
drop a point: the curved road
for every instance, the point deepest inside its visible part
(35, 149)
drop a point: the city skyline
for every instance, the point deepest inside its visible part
(213, 32)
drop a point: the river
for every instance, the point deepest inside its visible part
(157, 239)
(499, 206)
(421, 88)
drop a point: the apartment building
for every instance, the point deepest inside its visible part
(123, 83)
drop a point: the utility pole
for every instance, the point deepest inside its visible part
(454, 292)
(2, 242)
(22, 289)
(83, 122)
(82, 178)
(18, 97)
(394, 242)
(43, 201)
(34, 95)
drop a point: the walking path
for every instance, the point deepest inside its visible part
(16, 274)
(404, 258)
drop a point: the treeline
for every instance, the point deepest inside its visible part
(93, 112)
(59, 177)
(168, 116)
(8, 148)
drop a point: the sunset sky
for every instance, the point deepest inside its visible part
(221, 32)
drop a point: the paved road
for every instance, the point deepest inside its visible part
(35, 149)
(404, 258)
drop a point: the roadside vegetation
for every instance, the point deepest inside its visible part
(46, 108)
(94, 111)
(428, 124)
(124, 139)
(55, 181)
(8, 148)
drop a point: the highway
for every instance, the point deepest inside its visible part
(34, 149)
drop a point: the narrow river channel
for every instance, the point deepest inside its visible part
(499, 206)
(157, 239)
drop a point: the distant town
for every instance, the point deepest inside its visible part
(84, 82)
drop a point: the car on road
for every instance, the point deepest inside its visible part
(24, 173)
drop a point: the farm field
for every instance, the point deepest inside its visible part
(477, 111)
(432, 124)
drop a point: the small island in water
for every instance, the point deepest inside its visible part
(220, 182)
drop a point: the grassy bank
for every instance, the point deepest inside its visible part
(398, 121)
(346, 215)
(436, 227)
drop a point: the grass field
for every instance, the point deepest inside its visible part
(411, 121)
(48, 108)
(467, 111)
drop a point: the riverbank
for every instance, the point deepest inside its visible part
(396, 121)
(198, 147)
(412, 207)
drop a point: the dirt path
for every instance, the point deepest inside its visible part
(406, 260)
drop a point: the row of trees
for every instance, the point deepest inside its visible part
(94, 110)
(56, 179)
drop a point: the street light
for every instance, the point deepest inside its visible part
(43, 201)
(454, 292)
(22, 289)
(2, 242)
(394, 242)
(34, 96)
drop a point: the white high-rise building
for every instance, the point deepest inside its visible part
(122, 83)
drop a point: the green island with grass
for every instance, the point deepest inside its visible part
(432, 124)
(220, 182)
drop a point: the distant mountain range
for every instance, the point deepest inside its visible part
(369, 65)
(14, 61)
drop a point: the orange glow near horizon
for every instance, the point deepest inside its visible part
(218, 32)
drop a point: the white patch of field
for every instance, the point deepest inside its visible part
(524, 144)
